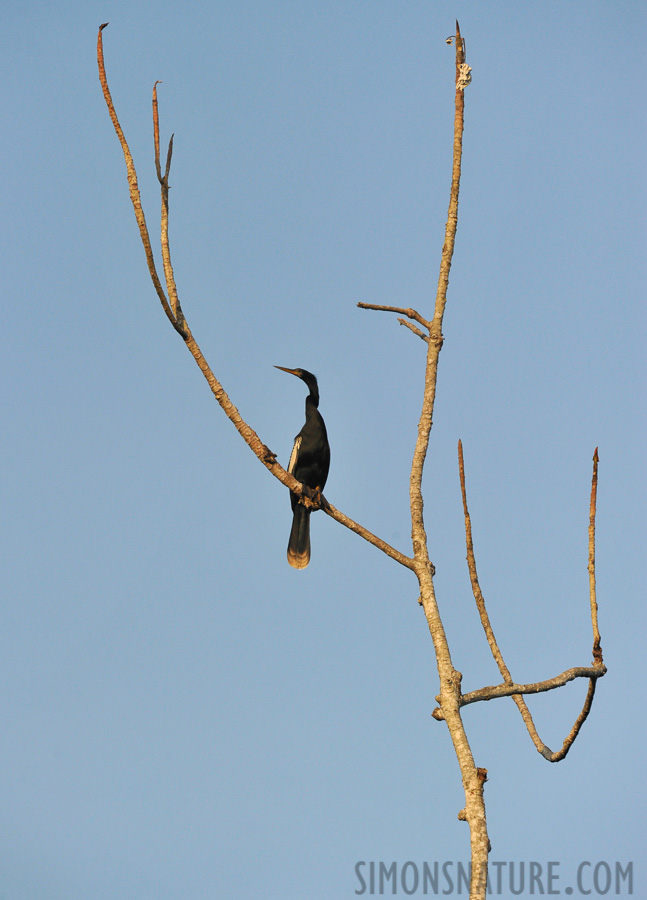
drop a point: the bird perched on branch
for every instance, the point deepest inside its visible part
(309, 463)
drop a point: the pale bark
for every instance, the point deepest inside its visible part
(450, 698)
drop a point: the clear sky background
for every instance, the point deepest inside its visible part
(183, 715)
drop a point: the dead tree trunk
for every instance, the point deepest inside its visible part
(450, 698)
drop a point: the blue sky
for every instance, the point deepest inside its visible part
(184, 716)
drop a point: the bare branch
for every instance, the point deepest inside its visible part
(448, 675)
(509, 689)
(476, 589)
(177, 319)
(133, 187)
(435, 326)
(410, 313)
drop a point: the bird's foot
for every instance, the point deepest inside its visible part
(268, 456)
(312, 498)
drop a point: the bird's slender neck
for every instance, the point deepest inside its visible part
(313, 396)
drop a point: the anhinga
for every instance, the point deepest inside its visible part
(309, 463)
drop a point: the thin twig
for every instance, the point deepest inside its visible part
(171, 287)
(413, 328)
(597, 647)
(156, 133)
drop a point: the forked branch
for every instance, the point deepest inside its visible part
(173, 311)
(133, 187)
(164, 187)
(509, 688)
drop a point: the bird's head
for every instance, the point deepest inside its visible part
(306, 376)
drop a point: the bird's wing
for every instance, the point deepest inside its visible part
(294, 455)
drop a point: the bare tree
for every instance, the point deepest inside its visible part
(450, 699)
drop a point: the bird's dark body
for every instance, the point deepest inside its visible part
(309, 463)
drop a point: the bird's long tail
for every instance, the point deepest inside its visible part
(299, 543)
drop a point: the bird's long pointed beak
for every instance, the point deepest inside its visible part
(289, 371)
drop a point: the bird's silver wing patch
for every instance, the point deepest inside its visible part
(294, 455)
